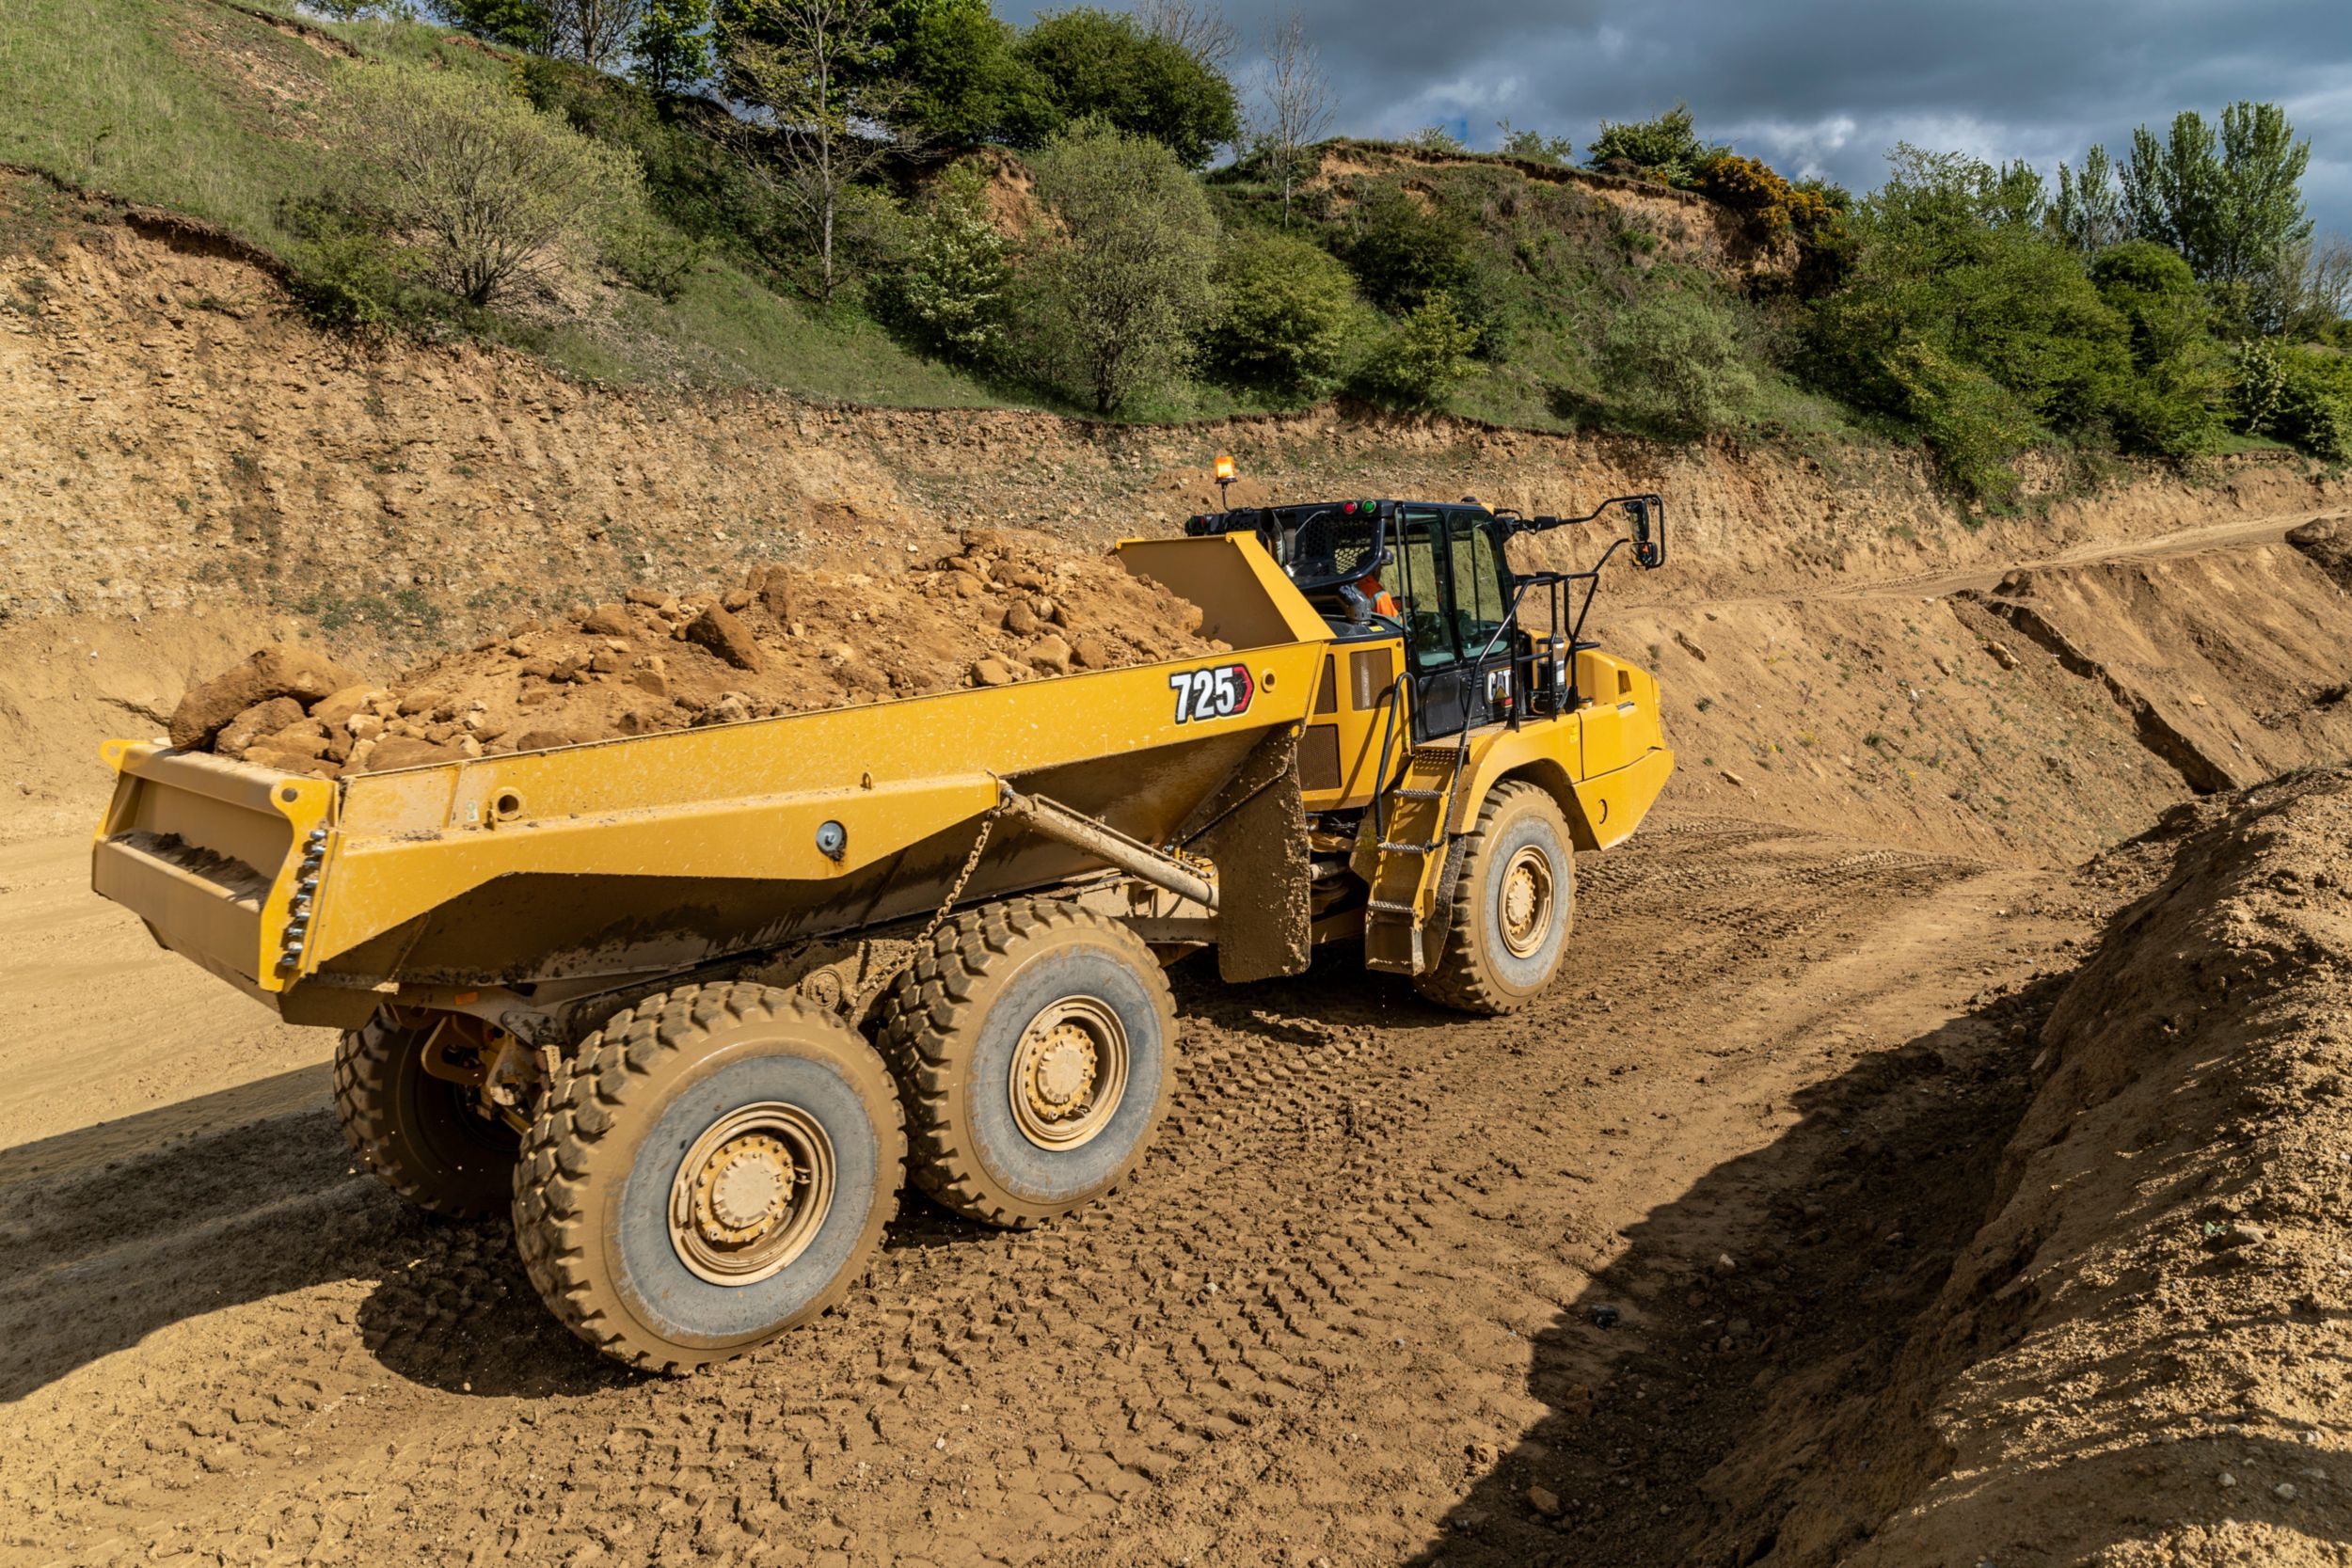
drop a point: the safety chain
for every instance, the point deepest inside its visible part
(970, 863)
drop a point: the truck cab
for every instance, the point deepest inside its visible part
(1436, 638)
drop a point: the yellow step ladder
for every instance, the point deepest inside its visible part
(1415, 835)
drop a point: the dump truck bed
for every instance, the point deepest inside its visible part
(654, 853)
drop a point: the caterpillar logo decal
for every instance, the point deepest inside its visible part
(1220, 691)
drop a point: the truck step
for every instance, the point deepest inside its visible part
(1385, 908)
(1392, 846)
(1421, 794)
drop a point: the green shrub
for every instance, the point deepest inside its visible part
(499, 200)
(1101, 63)
(2314, 410)
(1666, 149)
(1421, 357)
(343, 272)
(1116, 291)
(951, 294)
(1673, 359)
(1290, 312)
(1976, 427)
(2169, 405)
(1405, 250)
(651, 255)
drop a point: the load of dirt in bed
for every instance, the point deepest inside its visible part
(1002, 609)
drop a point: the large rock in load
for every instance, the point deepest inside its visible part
(274, 672)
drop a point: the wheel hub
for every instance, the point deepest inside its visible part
(751, 1192)
(1526, 901)
(1069, 1071)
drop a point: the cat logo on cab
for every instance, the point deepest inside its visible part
(1219, 692)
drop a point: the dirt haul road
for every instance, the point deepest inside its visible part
(1362, 1259)
(1394, 1286)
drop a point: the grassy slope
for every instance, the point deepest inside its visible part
(197, 106)
(194, 106)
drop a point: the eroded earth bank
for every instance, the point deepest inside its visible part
(1937, 1155)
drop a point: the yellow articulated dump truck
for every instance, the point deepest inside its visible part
(692, 1003)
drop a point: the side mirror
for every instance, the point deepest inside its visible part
(1649, 548)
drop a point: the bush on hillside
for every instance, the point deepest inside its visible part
(1421, 357)
(952, 293)
(1954, 293)
(1666, 149)
(1673, 359)
(1101, 64)
(499, 201)
(2170, 406)
(1117, 292)
(2314, 408)
(1290, 312)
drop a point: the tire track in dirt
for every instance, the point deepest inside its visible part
(1357, 1202)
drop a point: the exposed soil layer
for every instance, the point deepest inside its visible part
(1002, 609)
(2140, 1357)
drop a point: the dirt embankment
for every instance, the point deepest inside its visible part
(2140, 1357)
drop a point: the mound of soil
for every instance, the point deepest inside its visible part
(1004, 607)
(2139, 1358)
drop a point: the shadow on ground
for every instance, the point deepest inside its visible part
(1796, 1268)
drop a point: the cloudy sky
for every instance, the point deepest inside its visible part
(1827, 86)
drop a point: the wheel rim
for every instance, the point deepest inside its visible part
(1069, 1073)
(1525, 900)
(752, 1193)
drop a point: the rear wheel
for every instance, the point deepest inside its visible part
(1035, 1046)
(420, 1134)
(714, 1168)
(1513, 901)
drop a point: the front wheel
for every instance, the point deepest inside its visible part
(714, 1168)
(1514, 900)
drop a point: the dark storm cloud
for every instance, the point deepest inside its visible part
(1827, 86)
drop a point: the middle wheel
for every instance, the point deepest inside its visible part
(1035, 1048)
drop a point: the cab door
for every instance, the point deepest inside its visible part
(1455, 598)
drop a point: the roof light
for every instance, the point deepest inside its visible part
(1224, 467)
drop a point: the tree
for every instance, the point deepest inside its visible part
(1122, 284)
(961, 82)
(1534, 145)
(1421, 357)
(594, 32)
(952, 293)
(1289, 311)
(522, 24)
(2231, 205)
(2169, 406)
(1098, 63)
(1297, 105)
(672, 46)
(1666, 149)
(2088, 214)
(1195, 27)
(1963, 318)
(821, 112)
(498, 199)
